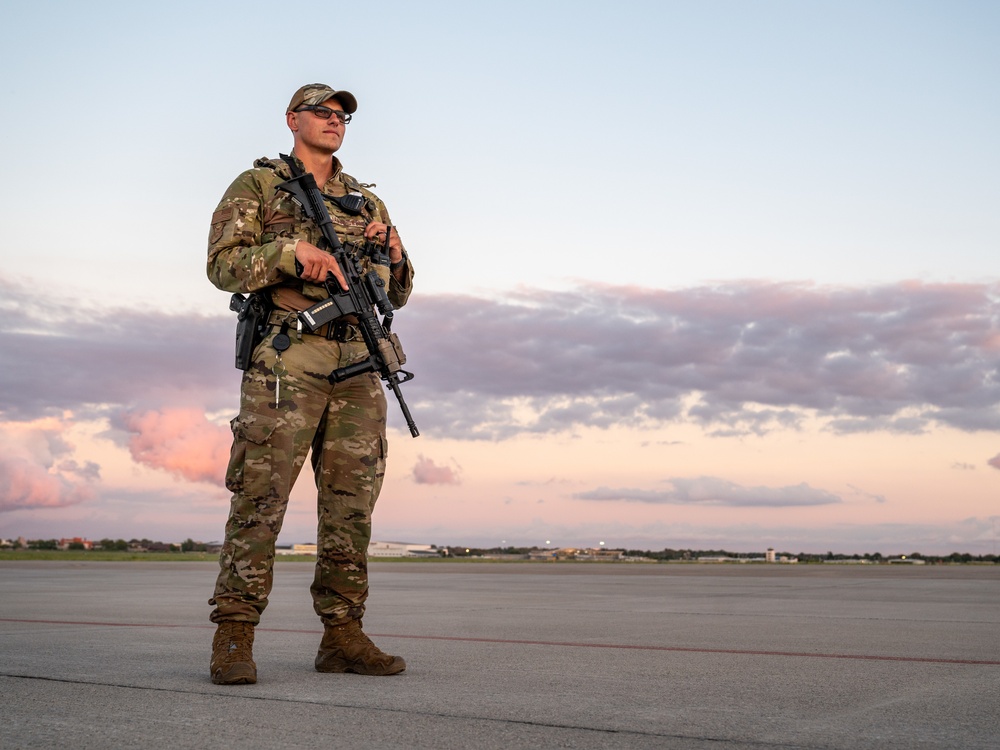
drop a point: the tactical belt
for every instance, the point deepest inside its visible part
(344, 329)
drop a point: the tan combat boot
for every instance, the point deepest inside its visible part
(345, 648)
(232, 654)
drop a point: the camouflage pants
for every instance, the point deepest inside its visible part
(344, 425)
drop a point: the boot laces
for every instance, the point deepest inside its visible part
(240, 645)
(355, 635)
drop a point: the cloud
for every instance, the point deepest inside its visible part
(89, 471)
(427, 472)
(550, 482)
(716, 492)
(31, 474)
(744, 357)
(180, 441)
(92, 360)
(995, 461)
(737, 358)
(867, 495)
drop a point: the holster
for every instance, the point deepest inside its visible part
(251, 325)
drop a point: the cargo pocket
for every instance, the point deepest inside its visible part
(249, 470)
(383, 446)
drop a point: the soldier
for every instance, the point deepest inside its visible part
(261, 242)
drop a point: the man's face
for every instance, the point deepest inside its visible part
(315, 131)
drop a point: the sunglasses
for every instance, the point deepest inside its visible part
(325, 113)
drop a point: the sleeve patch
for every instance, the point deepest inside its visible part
(223, 214)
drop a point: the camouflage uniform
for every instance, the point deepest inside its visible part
(252, 248)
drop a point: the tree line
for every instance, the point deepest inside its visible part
(682, 555)
(115, 545)
(665, 555)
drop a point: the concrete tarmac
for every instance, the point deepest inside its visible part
(514, 655)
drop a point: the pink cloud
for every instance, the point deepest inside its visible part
(995, 461)
(31, 476)
(427, 472)
(28, 485)
(180, 441)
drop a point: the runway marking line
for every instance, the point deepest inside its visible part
(564, 644)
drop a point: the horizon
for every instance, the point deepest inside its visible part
(602, 546)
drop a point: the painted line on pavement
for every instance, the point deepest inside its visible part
(564, 644)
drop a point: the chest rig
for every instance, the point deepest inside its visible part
(356, 204)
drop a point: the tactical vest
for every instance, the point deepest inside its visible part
(282, 217)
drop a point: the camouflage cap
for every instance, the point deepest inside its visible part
(317, 93)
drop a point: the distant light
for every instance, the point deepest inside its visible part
(602, 544)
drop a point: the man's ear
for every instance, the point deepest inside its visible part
(290, 118)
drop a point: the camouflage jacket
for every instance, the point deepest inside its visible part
(255, 228)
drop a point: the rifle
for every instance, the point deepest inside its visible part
(364, 294)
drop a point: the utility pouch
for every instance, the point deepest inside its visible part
(397, 348)
(251, 324)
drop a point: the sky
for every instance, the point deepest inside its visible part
(715, 274)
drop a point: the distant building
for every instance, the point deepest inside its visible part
(375, 549)
(773, 557)
(769, 557)
(64, 544)
(296, 549)
(599, 553)
(401, 549)
(543, 554)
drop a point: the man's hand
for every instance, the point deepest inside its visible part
(316, 264)
(375, 232)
